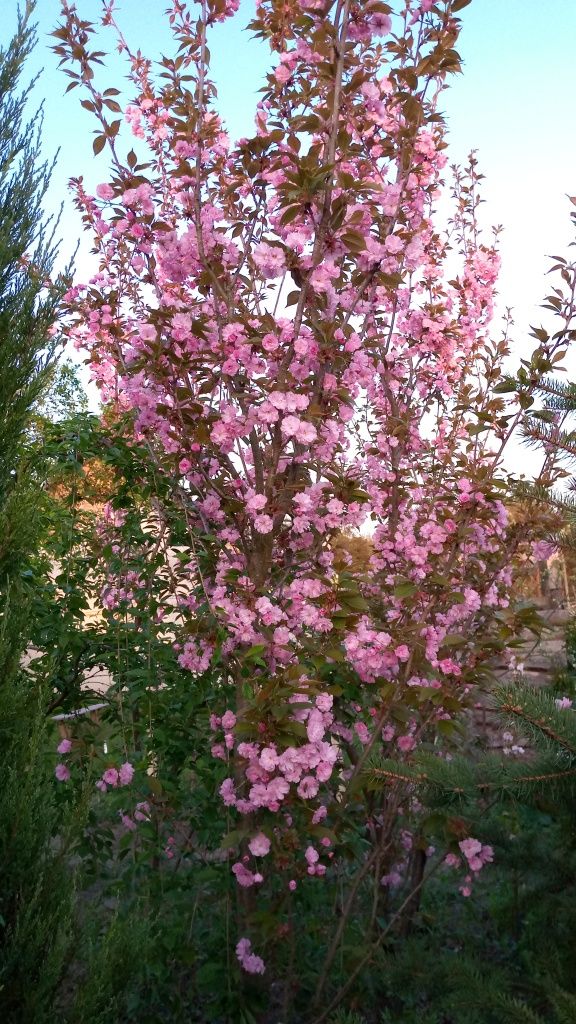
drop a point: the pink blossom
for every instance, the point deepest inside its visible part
(393, 879)
(406, 743)
(308, 787)
(62, 772)
(142, 812)
(393, 244)
(315, 727)
(269, 259)
(291, 425)
(324, 770)
(244, 877)
(362, 732)
(264, 524)
(470, 847)
(64, 747)
(451, 860)
(476, 854)
(251, 963)
(324, 701)
(542, 550)
(268, 759)
(227, 792)
(259, 845)
(125, 774)
(228, 720)
(282, 73)
(323, 275)
(105, 191)
(110, 777)
(380, 24)
(256, 502)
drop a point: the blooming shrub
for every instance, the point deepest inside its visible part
(304, 351)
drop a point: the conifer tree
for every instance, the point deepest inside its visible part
(35, 891)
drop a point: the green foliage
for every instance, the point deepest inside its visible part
(549, 773)
(37, 887)
(507, 953)
(101, 986)
(175, 913)
(65, 396)
(558, 395)
(37, 891)
(28, 303)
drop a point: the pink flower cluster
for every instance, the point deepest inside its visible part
(251, 963)
(141, 813)
(62, 771)
(114, 777)
(476, 856)
(271, 774)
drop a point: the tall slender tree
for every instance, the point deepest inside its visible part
(34, 893)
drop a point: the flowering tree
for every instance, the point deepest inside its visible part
(304, 350)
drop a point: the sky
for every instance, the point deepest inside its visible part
(513, 104)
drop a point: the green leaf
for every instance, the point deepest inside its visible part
(233, 838)
(356, 602)
(253, 652)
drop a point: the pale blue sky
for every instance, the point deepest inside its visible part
(514, 104)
